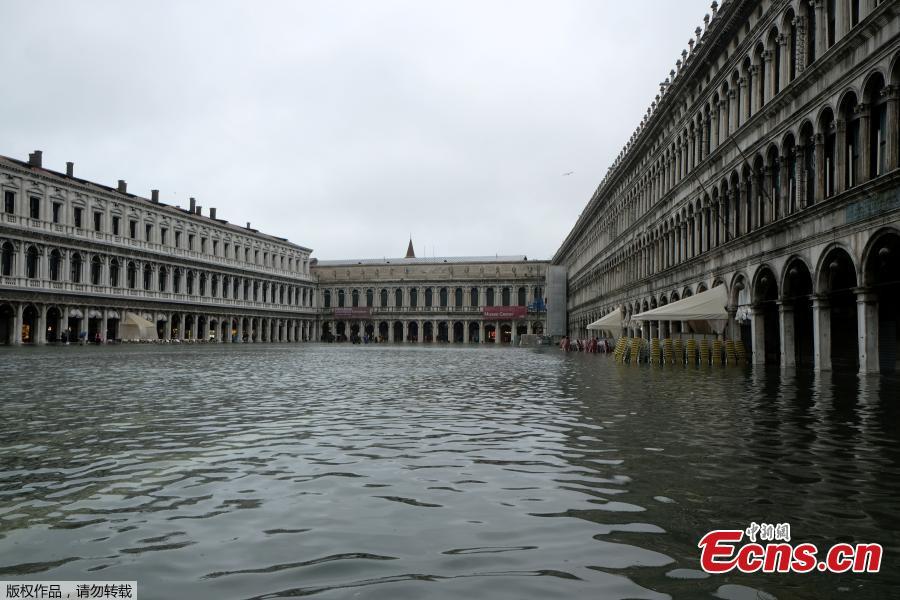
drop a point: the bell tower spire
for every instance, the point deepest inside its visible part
(410, 253)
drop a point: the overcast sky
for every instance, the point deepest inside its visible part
(345, 126)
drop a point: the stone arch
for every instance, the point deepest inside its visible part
(836, 280)
(881, 278)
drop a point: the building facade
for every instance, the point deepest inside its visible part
(81, 260)
(768, 164)
(458, 300)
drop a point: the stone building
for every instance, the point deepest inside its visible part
(767, 164)
(82, 260)
(458, 299)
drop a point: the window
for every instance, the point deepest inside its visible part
(178, 239)
(115, 225)
(7, 262)
(163, 234)
(215, 245)
(473, 297)
(132, 275)
(79, 212)
(132, 229)
(114, 273)
(9, 202)
(148, 232)
(75, 274)
(35, 207)
(490, 296)
(98, 220)
(227, 249)
(203, 245)
(96, 270)
(31, 263)
(326, 297)
(384, 298)
(190, 241)
(57, 212)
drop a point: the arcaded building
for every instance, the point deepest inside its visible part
(767, 164)
(83, 261)
(491, 299)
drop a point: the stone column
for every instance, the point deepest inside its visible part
(821, 333)
(17, 325)
(786, 321)
(758, 334)
(754, 95)
(821, 29)
(481, 332)
(821, 180)
(195, 329)
(841, 158)
(714, 126)
(892, 130)
(744, 103)
(240, 330)
(421, 332)
(768, 76)
(867, 330)
(83, 323)
(784, 75)
(497, 332)
(862, 175)
(104, 325)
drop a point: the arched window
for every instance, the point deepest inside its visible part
(384, 298)
(522, 300)
(31, 263)
(326, 299)
(539, 293)
(398, 297)
(132, 275)
(444, 297)
(458, 297)
(7, 260)
(55, 263)
(877, 103)
(490, 296)
(75, 272)
(505, 294)
(341, 298)
(148, 276)
(96, 270)
(355, 298)
(226, 286)
(163, 275)
(176, 280)
(370, 298)
(114, 272)
(473, 297)
(413, 297)
(428, 297)
(189, 284)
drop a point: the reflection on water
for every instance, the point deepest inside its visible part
(402, 472)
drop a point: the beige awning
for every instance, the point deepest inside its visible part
(705, 306)
(610, 322)
(135, 327)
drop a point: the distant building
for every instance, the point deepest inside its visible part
(452, 299)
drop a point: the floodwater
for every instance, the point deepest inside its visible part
(337, 471)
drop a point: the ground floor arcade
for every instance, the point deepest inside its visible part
(468, 331)
(28, 322)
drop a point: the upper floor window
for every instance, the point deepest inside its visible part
(98, 220)
(57, 211)
(35, 207)
(190, 241)
(148, 232)
(78, 214)
(163, 234)
(203, 245)
(178, 239)
(115, 225)
(132, 229)
(215, 247)
(9, 202)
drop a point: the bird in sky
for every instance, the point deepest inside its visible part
(567, 173)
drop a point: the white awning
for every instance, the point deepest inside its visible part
(705, 306)
(111, 314)
(610, 322)
(94, 314)
(162, 317)
(134, 327)
(74, 313)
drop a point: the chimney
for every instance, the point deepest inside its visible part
(248, 224)
(193, 205)
(123, 187)
(199, 210)
(212, 212)
(154, 196)
(35, 159)
(70, 169)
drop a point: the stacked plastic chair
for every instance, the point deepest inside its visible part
(621, 347)
(691, 352)
(668, 352)
(679, 352)
(635, 356)
(740, 352)
(717, 353)
(730, 355)
(655, 352)
(704, 352)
